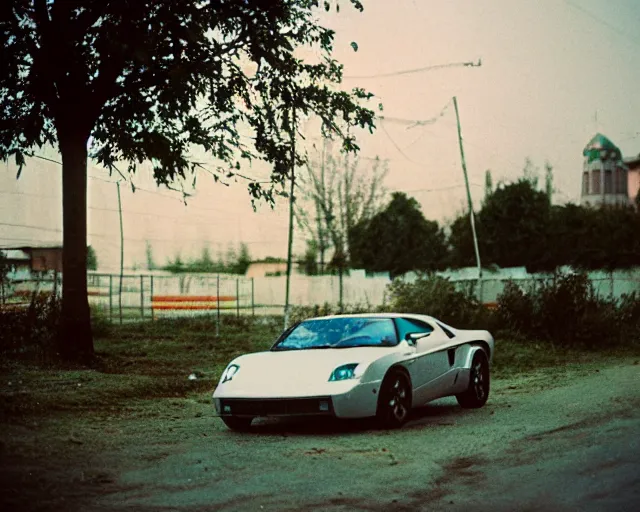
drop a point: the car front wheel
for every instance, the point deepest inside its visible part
(477, 393)
(394, 402)
(237, 423)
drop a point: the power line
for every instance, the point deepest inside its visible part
(416, 70)
(602, 22)
(398, 147)
(438, 189)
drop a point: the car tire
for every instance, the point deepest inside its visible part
(237, 423)
(394, 400)
(477, 393)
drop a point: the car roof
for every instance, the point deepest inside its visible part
(378, 315)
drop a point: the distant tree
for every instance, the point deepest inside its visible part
(151, 264)
(243, 261)
(231, 257)
(337, 194)
(548, 181)
(152, 80)
(309, 262)
(460, 241)
(530, 173)
(488, 184)
(398, 239)
(176, 265)
(92, 259)
(514, 223)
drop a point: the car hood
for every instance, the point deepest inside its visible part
(294, 372)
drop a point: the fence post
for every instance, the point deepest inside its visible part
(110, 298)
(253, 302)
(218, 305)
(237, 297)
(141, 296)
(612, 282)
(151, 294)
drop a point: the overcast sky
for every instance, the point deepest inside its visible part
(553, 73)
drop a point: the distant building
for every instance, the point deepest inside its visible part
(604, 176)
(29, 260)
(607, 177)
(267, 269)
(633, 169)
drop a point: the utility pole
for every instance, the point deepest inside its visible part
(121, 252)
(290, 242)
(466, 181)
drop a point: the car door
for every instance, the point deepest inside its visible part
(429, 367)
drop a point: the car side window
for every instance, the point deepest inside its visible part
(407, 325)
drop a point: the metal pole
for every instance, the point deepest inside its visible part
(151, 294)
(466, 181)
(253, 301)
(121, 252)
(141, 296)
(290, 243)
(110, 298)
(237, 298)
(218, 305)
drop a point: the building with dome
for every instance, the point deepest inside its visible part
(608, 178)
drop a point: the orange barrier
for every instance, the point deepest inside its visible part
(192, 302)
(191, 298)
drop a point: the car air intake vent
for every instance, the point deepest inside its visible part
(276, 407)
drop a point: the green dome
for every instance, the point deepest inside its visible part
(601, 148)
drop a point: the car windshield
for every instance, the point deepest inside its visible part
(340, 332)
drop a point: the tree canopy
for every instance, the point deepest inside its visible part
(398, 239)
(162, 81)
(336, 194)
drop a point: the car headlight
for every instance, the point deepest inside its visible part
(345, 372)
(229, 373)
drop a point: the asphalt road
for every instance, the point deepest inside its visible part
(573, 447)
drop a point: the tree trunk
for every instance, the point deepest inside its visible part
(75, 339)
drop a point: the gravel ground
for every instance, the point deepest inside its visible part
(571, 445)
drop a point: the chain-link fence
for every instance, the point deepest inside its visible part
(152, 296)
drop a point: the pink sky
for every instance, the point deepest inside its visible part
(547, 67)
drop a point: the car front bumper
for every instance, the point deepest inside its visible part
(349, 401)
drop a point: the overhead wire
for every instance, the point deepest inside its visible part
(415, 70)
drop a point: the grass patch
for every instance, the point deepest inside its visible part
(516, 356)
(135, 362)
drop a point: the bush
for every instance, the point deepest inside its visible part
(628, 316)
(31, 328)
(515, 309)
(567, 311)
(438, 297)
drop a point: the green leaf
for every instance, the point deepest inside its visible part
(354, 45)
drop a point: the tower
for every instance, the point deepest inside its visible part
(604, 176)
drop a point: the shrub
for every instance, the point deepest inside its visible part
(567, 311)
(515, 309)
(628, 317)
(31, 328)
(438, 297)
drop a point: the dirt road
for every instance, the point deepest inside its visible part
(572, 446)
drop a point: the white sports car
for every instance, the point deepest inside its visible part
(355, 366)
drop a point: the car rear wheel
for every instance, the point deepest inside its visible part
(477, 393)
(394, 401)
(237, 423)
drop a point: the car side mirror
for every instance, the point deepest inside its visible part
(413, 337)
